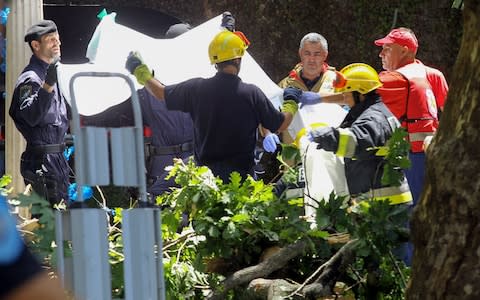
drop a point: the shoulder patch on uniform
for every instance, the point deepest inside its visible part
(25, 92)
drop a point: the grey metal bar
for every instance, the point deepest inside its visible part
(91, 277)
(142, 245)
(138, 137)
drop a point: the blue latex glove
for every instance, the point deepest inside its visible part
(309, 98)
(270, 142)
(310, 136)
(68, 152)
(87, 192)
(4, 15)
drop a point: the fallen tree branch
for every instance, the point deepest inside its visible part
(184, 236)
(331, 271)
(266, 267)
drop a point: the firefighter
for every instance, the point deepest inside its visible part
(225, 111)
(367, 127)
(41, 114)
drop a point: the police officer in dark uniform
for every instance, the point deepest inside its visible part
(171, 135)
(172, 131)
(41, 114)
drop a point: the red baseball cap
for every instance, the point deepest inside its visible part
(401, 37)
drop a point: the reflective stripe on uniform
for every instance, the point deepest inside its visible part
(396, 194)
(419, 136)
(347, 143)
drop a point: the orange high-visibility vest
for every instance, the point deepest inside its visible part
(412, 101)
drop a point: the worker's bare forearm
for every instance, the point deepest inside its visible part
(286, 122)
(342, 99)
(156, 88)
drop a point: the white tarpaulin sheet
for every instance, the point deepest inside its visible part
(324, 171)
(173, 60)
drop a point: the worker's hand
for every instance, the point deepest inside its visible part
(309, 98)
(270, 142)
(134, 60)
(51, 76)
(138, 68)
(291, 96)
(228, 21)
(309, 136)
(291, 93)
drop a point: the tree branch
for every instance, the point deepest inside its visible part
(332, 270)
(266, 267)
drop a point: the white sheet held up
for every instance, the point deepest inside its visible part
(173, 60)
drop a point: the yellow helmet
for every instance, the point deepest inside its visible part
(226, 46)
(358, 77)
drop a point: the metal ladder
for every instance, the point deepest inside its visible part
(86, 272)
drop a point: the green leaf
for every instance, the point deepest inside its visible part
(318, 234)
(5, 180)
(296, 202)
(290, 152)
(231, 232)
(241, 218)
(397, 158)
(322, 221)
(213, 231)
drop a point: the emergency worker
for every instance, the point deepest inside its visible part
(225, 111)
(414, 93)
(41, 114)
(171, 131)
(312, 73)
(367, 127)
(359, 139)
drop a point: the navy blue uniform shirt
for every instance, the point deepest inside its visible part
(226, 113)
(42, 119)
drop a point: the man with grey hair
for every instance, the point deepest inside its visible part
(312, 73)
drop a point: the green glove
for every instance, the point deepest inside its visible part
(290, 106)
(138, 68)
(143, 74)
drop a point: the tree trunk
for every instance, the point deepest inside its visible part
(445, 225)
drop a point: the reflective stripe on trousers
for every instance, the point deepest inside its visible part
(419, 136)
(396, 194)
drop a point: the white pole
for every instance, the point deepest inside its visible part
(23, 14)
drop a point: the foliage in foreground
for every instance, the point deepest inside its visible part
(239, 220)
(232, 224)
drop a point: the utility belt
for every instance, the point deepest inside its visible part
(166, 150)
(46, 149)
(415, 120)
